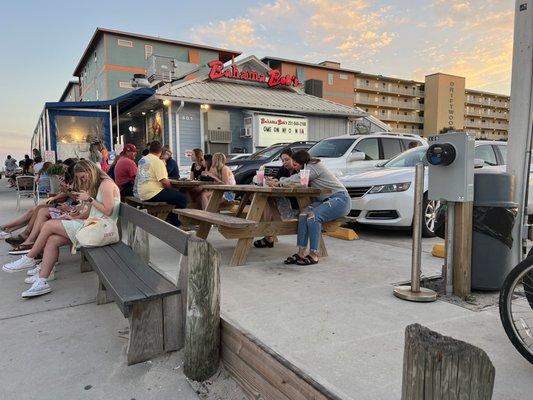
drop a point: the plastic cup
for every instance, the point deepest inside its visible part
(304, 177)
(260, 177)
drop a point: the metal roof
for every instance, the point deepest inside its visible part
(257, 97)
(125, 102)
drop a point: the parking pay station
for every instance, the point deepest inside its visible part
(451, 179)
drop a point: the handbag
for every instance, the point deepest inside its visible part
(97, 232)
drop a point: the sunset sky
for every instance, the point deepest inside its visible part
(41, 42)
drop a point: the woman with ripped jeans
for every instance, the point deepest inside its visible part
(327, 208)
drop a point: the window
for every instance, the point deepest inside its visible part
(97, 97)
(486, 153)
(124, 84)
(148, 51)
(391, 147)
(95, 58)
(343, 77)
(331, 148)
(383, 84)
(124, 43)
(410, 143)
(330, 78)
(369, 147)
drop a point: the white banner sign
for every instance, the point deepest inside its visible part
(276, 129)
(50, 156)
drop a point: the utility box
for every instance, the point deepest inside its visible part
(451, 167)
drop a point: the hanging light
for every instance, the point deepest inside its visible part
(167, 102)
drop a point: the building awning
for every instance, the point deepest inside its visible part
(125, 102)
(257, 97)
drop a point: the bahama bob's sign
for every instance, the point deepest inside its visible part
(272, 78)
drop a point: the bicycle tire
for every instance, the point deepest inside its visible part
(523, 270)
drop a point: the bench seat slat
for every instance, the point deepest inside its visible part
(150, 277)
(115, 280)
(215, 218)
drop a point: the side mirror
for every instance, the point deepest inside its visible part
(478, 163)
(357, 156)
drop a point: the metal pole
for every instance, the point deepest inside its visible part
(119, 137)
(450, 223)
(417, 228)
(415, 292)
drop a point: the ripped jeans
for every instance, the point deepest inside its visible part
(310, 221)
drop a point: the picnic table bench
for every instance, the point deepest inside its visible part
(246, 227)
(152, 304)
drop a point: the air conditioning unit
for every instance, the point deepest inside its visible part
(246, 132)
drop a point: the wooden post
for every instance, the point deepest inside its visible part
(462, 249)
(440, 367)
(202, 326)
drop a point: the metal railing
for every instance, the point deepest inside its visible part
(389, 89)
(487, 125)
(389, 103)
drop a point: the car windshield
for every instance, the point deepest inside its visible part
(332, 148)
(409, 158)
(266, 153)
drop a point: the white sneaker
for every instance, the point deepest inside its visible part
(4, 235)
(22, 263)
(34, 271)
(39, 287)
(33, 278)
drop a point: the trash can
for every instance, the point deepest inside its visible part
(494, 215)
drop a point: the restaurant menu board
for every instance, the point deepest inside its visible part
(275, 129)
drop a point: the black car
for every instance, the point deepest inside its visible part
(244, 170)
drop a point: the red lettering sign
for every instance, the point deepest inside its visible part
(272, 79)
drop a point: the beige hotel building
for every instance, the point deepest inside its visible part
(423, 108)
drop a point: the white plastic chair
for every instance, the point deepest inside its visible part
(26, 186)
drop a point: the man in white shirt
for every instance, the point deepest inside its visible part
(38, 164)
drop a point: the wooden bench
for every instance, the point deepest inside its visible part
(157, 209)
(152, 304)
(221, 220)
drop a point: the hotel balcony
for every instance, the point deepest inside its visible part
(486, 102)
(489, 113)
(412, 105)
(400, 118)
(408, 130)
(378, 87)
(487, 125)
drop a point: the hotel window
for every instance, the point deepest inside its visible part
(124, 43)
(148, 51)
(95, 57)
(330, 78)
(343, 77)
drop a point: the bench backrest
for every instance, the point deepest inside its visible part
(174, 237)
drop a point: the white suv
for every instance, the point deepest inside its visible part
(357, 152)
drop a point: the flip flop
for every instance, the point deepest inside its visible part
(21, 249)
(292, 259)
(307, 260)
(263, 243)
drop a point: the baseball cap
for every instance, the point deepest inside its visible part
(130, 147)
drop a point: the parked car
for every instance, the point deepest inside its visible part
(238, 156)
(244, 169)
(357, 152)
(384, 195)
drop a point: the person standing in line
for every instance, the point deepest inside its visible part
(152, 182)
(125, 170)
(38, 165)
(27, 166)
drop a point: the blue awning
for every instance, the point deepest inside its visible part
(125, 102)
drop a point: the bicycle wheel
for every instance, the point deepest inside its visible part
(516, 307)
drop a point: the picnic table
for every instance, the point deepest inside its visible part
(246, 227)
(187, 183)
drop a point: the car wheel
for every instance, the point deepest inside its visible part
(429, 216)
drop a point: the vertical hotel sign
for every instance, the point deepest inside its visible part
(451, 106)
(276, 129)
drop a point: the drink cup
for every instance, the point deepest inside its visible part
(260, 177)
(304, 177)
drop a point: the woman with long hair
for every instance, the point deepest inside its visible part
(197, 166)
(327, 207)
(221, 174)
(101, 198)
(104, 164)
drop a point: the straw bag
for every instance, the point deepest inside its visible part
(97, 232)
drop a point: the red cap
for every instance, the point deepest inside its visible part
(130, 147)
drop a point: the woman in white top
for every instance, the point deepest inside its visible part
(221, 174)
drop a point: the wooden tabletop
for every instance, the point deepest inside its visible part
(188, 183)
(295, 191)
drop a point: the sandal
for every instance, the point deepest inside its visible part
(307, 260)
(292, 259)
(262, 243)
(21, 249)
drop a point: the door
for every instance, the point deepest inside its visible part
(391, 148)
(370, 148)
